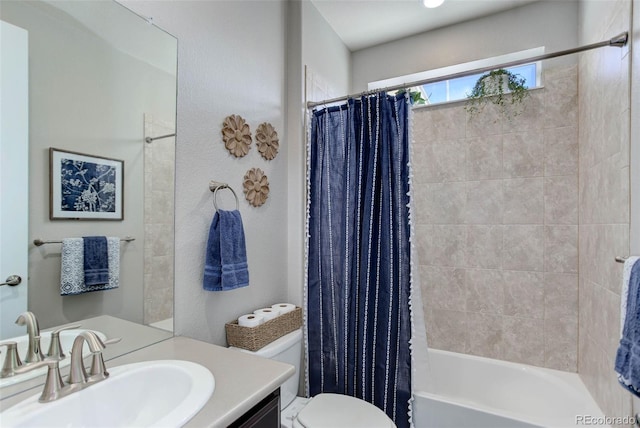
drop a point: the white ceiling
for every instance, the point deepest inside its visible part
(364, 23)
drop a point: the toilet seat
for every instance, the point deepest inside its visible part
(336, 410)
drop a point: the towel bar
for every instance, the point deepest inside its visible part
(214, 186)
(150, 140)
(39, 242)
(620, 259)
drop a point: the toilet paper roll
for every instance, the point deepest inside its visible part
(284, 307)
(250, 320)
(267, 313)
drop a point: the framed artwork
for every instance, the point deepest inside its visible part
(85, 187)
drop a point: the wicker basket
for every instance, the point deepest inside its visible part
(254, 338)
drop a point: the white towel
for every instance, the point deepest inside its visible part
(72, 267)
(626, 274)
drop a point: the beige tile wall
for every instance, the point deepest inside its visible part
(497, 226)
(159, 159)
(604, 114)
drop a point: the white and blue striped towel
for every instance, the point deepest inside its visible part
(72, 267)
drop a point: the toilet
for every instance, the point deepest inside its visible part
(323, 410)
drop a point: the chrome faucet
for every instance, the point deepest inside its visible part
(54, 386)
(77, 372)
(34, 354)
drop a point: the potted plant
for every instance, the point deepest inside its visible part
(501, 88)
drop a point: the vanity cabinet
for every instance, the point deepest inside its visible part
(265, 414)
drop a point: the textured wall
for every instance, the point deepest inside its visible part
(231, 60)
(311, 45)
(604, 197)
(551, 24)
(496, 202)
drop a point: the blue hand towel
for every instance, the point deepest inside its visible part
(212, 264)
(226, 265)
(72, 267)
(96, 260)
(233, 251)
(628, 356)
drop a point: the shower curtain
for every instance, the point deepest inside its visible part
(357, 324)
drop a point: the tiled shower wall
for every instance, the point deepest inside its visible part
(604, 198)
(496, 204)
(159, 178)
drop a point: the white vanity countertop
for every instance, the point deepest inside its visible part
(242, 380)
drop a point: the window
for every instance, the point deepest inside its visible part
(458, 88)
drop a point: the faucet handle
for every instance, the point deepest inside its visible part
(98, 369)
(112, 341)
(53, 385)
(68, 327)
(11, 360)
(55, 348)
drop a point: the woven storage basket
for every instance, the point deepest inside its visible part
(254, 338)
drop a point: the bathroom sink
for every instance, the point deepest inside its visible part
(66, 339)
(164, 393)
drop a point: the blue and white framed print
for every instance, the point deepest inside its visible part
(85, 187)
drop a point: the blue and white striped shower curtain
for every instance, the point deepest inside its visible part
(358, 323)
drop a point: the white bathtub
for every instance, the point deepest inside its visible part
(470, 391)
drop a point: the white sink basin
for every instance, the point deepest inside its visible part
(66, 339)
(165, 393)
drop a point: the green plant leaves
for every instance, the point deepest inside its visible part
(501, 88)
(416, 96)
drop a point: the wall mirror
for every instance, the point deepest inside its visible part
(100, 80)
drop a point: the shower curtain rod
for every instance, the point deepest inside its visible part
(618, 41)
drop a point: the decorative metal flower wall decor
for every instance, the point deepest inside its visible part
(236, 135)
(267, 141)
(256, 187)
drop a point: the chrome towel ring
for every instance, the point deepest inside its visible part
(214, 186)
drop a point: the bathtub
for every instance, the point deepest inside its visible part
(470, 391)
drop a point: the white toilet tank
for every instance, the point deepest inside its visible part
(287, 349)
